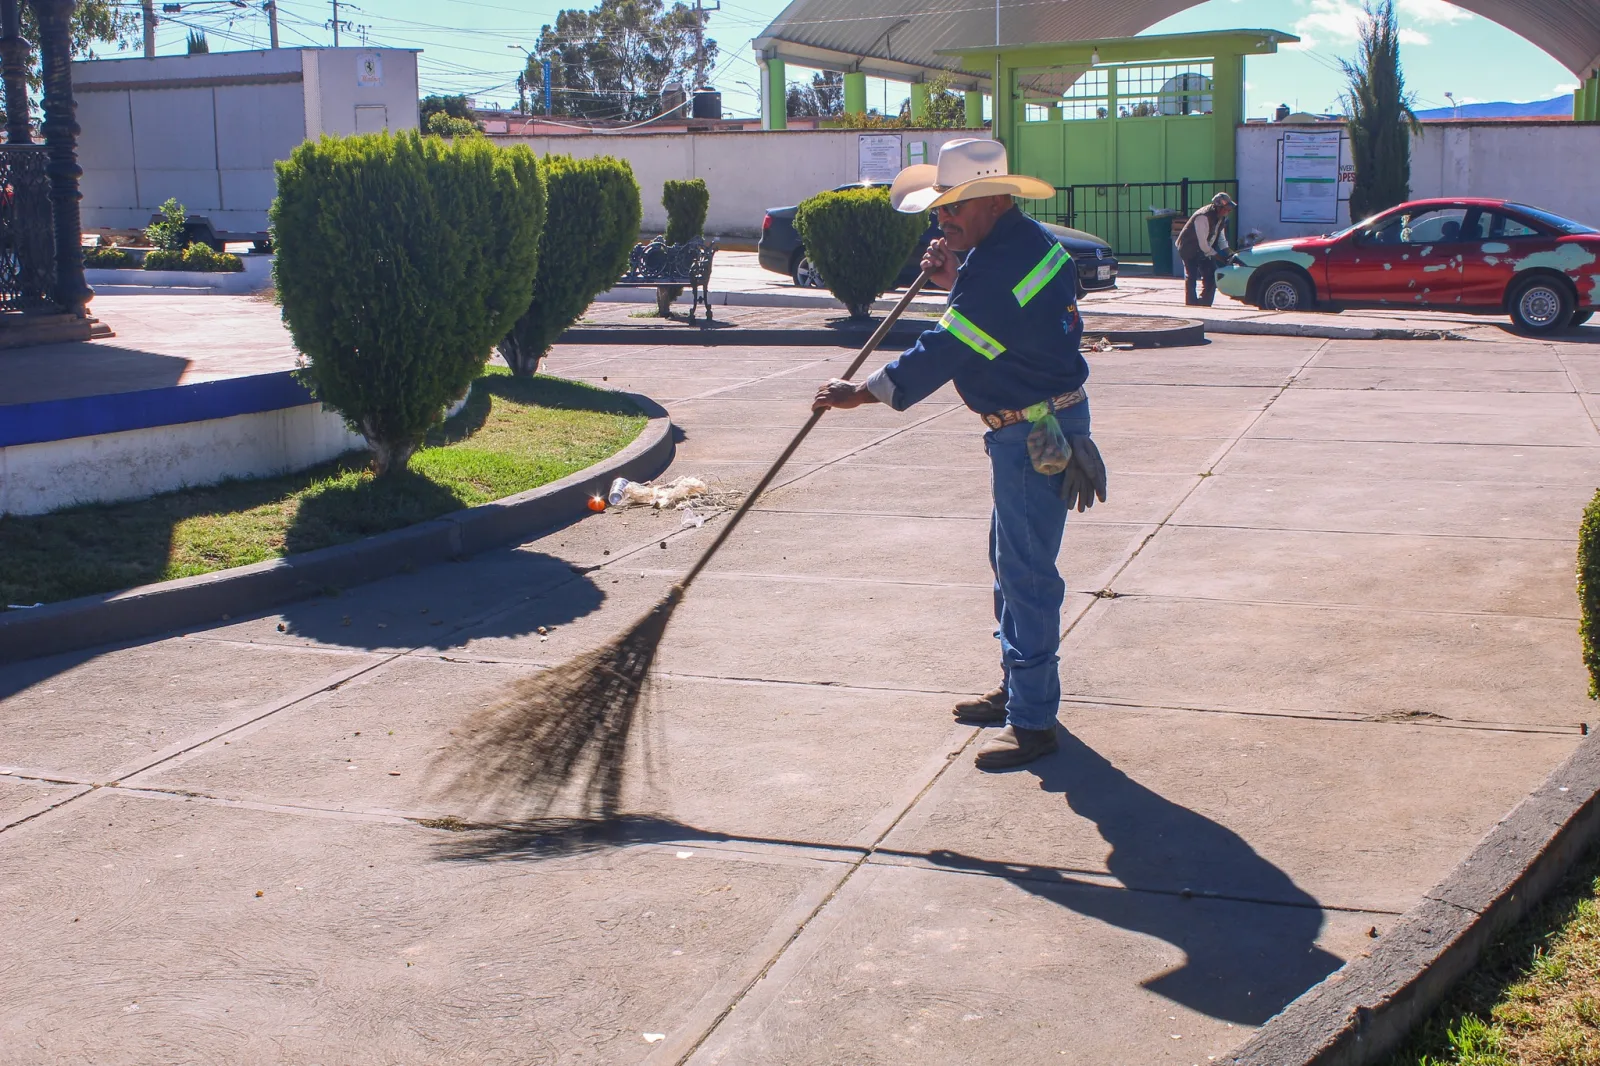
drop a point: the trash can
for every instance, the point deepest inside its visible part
(1160, 223)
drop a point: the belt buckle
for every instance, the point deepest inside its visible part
(993, 421)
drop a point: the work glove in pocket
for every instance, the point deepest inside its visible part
(1085, 479)
(1047, 445)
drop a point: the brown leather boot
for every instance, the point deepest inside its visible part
(989, 709)
(1016, 747)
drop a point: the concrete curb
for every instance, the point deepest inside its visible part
(205, 598)
(1184, 332)
(1251, 327)
(1362, 1011)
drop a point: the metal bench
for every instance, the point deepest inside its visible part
(659, 265)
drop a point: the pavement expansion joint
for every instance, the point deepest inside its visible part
(1424, 720)
(1332, 605)
(819, 579)
(1371, 532)
(44, 777)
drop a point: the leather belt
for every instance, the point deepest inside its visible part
(1002, 419)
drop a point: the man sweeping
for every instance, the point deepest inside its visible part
(1010, 344)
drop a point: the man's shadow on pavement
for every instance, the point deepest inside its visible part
(1248, 931)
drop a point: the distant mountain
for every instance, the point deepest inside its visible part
(1559, 107)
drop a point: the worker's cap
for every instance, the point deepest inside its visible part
(1222, 199)
(968, 169)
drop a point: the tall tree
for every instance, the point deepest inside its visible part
(613, 61)
(824, 97)
(1379, 115)
(94, 23)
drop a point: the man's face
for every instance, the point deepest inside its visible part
(967, 222)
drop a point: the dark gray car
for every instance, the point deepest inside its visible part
(781, 251)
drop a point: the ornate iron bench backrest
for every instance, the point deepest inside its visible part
(658, 262)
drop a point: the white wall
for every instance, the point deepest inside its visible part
(1552, 165)
(35, 478)
(209, 127)
(747, 172)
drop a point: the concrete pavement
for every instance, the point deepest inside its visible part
(1319, 639)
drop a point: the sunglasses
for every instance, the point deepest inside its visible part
(951, 210)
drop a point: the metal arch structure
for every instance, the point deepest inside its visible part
(901, 39)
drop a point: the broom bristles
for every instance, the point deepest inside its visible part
(562, 732)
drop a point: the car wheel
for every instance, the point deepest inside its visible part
(805, 275)
(1285, 291)
(1541, 305)
(1579, 319)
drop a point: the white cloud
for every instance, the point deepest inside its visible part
(1339, 21)
(1336, 20)
(1431, 11)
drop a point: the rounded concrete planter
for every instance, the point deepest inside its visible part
(256, 275)
(203, 599)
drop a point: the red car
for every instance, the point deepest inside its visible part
(1480, 256)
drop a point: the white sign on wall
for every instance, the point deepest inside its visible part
(369, 70)
(879, 156)
(1308, 181)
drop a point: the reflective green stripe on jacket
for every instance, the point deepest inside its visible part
(963, 330)
(1040, 275)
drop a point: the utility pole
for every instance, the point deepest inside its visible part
(149, 7)
(271, 8)
(335, 23)
(700, 44)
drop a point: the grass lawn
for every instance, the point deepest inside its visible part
(1534, 998)
(514, 434)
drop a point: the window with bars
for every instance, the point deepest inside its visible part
(1075, 93)
(1164, 90)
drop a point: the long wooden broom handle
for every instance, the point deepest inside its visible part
(816, 416)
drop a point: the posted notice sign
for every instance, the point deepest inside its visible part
(880, 156)
(1308, 182)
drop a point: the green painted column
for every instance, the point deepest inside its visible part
(1052, 112)
(974, 110)
(1227, 112)
(855, 93)
(1577, 103)
(777, 95)
(1591, 98)
(919, 102)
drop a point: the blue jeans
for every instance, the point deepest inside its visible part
(1024, 540)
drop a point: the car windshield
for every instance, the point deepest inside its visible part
(1556, 222)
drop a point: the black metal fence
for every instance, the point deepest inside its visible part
(27, 231)
(1121, 214)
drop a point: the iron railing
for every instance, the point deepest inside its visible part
(27, 230)
(1120, 214)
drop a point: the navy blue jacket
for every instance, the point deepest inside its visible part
(1010, 337)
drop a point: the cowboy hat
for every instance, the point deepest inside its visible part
(967, 169)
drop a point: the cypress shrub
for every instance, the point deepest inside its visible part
(687, 203)
(1589, 592)
(1380, 117)
(858, 243)
(591, 225)
(401, 261)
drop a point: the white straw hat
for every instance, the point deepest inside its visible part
(967, 169)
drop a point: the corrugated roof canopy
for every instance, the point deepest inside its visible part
(901, 38)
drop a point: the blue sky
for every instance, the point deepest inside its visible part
(465, 46)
